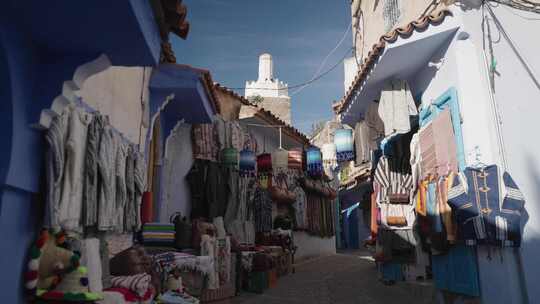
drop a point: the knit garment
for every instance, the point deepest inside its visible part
(90, 196)
(55, 162)
(73, 180)
(107, 196)
(138, 283)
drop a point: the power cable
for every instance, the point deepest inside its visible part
(523, 5)
(513, 46)
(511, 11)
(307, 82)
(323, 63)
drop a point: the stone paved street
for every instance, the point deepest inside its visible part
(342, 279)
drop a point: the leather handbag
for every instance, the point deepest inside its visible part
(279, 191)
(398, 221)
(398, 198)
(183, 231)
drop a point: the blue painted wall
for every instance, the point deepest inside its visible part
(41, 45)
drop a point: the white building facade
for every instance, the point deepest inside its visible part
(272, 93)
(484, 52)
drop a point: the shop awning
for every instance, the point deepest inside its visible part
(180, 92)
(401, 54)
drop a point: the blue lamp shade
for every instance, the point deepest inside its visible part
(314, 162)
(343, 139)
(248, 162)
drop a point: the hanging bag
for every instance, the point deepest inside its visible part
(183, 231)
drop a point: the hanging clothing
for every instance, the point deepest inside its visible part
(73, 179)
(397, 245)
(121, 190)
(197, 183)
(329, 159)
(415, 161)
(233, 200)
(209, 248)
(130, 210)
(445, 210)
(438, 146)
(396, 105)
(483, 214)
(90, 196)
(242, 226)
(217, 189)
(55, 162)
(362, 142)
(300, 207)
(140, 185)
(262, 208)
(374, 123)
(205, 142)
(107, 174)
(394, 177)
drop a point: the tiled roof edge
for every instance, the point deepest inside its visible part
(406, 31)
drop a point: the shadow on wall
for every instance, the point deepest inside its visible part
(6, 120)
(467, 5)
(419, 84)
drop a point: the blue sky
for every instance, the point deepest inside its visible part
(227, 37)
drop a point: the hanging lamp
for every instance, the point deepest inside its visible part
(247, 163)
(314, 162)
(343, 139)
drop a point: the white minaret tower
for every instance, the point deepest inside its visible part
(274, 93)
(266, 68)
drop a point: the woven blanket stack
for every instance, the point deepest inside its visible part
(159, 234)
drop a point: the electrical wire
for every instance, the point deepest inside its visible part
(304, 83)
(511, 11)
(323, 63)
(523, 5)
(513, 46)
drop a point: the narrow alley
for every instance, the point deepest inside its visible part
(346, 278)
(269, 152)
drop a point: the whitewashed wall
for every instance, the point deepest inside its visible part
(122, 94)
(310, 246)
(177, 162)
(518, 102)
(503, 279)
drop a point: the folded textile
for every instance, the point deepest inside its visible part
(138, 283)
(157, 228)
(157, 235)
(171, 297)
(183, 261)
(127, 295)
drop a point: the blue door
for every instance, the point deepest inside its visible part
(456, 271)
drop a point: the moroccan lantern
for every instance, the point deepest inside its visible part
(247, 164)
(264, 163)
(329, 158)
(314, 161)
(280, 160)
(295, 160)
(343, 139)
(229, 157)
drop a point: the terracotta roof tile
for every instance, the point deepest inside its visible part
(232, 93)
(406, 31)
